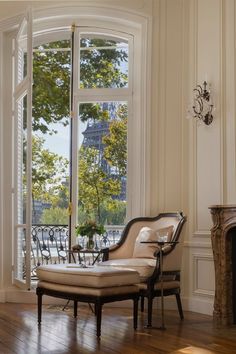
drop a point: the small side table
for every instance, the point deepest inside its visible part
(161, 244)
(81, 255)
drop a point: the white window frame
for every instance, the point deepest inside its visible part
(139, 130)
(85, 95)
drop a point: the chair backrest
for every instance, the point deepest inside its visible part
(125, 247)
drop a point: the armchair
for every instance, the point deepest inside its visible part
(131, 253)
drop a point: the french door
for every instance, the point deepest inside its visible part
(23, 152)
(96, 104)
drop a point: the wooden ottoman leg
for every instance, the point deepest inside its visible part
(40, 296)
(75, 308)
(98, 306)
(142, 303)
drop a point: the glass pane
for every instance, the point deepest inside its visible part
(103, 62)
(102, 162)
(20, 265)
(21, 159)
(51, 133)
(22, 53)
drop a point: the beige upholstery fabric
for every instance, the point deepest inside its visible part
(127, 248)
(147, 250)
(82, 290)
(166, 285)
(94, 277)
(144, 266)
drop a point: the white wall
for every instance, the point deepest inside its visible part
(212, 173)
(192, 166)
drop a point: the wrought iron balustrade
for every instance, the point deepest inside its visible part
(50, 243)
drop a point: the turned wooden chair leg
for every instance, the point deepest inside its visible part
(135, 313)
(150, 299)
(179, 304)
(40, 296)
(142, 303)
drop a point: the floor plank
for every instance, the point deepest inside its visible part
(60, 333)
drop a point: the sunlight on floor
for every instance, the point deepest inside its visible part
(193, 350)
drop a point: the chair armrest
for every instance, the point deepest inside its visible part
(107, 250)
(165, 249)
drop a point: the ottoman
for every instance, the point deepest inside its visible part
(96, 285)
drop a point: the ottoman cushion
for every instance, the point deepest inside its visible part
(82, 290)
(91, 277)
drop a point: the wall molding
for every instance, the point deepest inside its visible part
(192, 244)
(202, 234)
(1, 163)
(196, 289)
(199, 305)
(161, 109)
(10, 23)
(2, 296)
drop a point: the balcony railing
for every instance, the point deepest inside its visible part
(50, 243)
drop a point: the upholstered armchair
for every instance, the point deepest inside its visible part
(133, 252)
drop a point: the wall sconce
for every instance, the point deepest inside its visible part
(202, 104)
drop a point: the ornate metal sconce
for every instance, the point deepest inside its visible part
(202, 104)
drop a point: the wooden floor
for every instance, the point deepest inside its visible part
(60, 333)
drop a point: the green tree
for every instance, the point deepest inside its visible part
(113, 213)
(115, 151)
(51, 87)
(48, 172)
(51, 75)
(100, 67)
(58, 216)
(95, 187)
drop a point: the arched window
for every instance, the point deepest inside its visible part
(100, 121)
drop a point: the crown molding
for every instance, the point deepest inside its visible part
(10, 23)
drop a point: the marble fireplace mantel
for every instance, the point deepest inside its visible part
(224, 228)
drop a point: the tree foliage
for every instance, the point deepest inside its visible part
(51, 86)
(56, 215)
(115, 151)
(95, 187)
(102, 65)
(48, 172)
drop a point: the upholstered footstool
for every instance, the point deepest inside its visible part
(96, 285)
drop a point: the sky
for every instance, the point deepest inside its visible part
(60, 143)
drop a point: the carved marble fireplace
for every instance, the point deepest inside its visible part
(223, 237)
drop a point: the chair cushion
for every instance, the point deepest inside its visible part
(143, 266)
(174, 284)
(146, 250)
(94, 277)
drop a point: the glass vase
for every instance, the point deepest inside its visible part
(90, 243)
